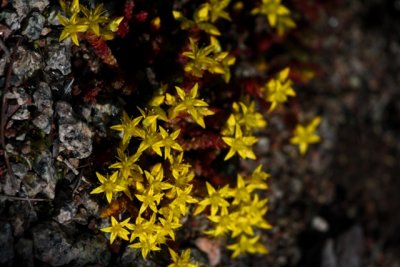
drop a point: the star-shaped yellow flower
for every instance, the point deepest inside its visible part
(118, 229)
(216, 199)
(278, 90)
(108, 185)
(168, 142)
(72, 26)
(305, 135)
(240, 144)
(247, 244)
(272, 9)
(189, 103)
(182, 260)
(149, 199)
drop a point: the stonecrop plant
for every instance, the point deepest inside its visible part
(93, 25)
(164, 176)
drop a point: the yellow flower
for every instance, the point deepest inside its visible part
(258, 178)
(155, 179)
(149, 199)
(117, 229)
(284, 23)
(247, 245)
(169, 225)
(215, 199)
(108, 186)
(188, 103)
(182, 260)
(200, 60)
(129, 128)
(249, 215)
(142, 226)
(305, 135)
(213, 10)
(94, 17)
(222, 224)
(278, 90)
(72, 26)
(226, 60)
(242, 192)
(127, 167)
(147, 243)
(150, 140)
(240, 144)
(73, 8)
(168, 142)
(246, 116)
(182, 198)
(272, 9)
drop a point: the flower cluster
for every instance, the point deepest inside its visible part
(236, 212)
(80, 19)
(239, 127)
(209, 58)
(205, 17)
(163, 192)
(93, 25)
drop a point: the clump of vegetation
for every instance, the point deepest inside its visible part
(93, 25)
(171, 157)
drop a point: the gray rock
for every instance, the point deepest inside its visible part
(45, 169)
(59, 58)
(51, 245)
(350, 247)
(21, 114)
(93, 250)
(320, 224)
(3, 62)
(38, 4)
(66, 213)
(345, 251)
(100, 116)
(32, 184)
(43, 122)
(52, 18)
(24, 253)
(33, 25)
(27, 63)
(19, 170)
(10, 186)
(75, 136)
(43, 99)
(11, 19)
(65, 113)
(23, 99)
(6, 243)
(91, 206)
(128, 257)
(22, 7)
(328, 254)
(20, 95)
(55, 247)
(44, 103)
(21, 215)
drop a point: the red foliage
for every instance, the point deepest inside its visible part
(101, 49)
(201, 139)
(123, 28)
(141, 16)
